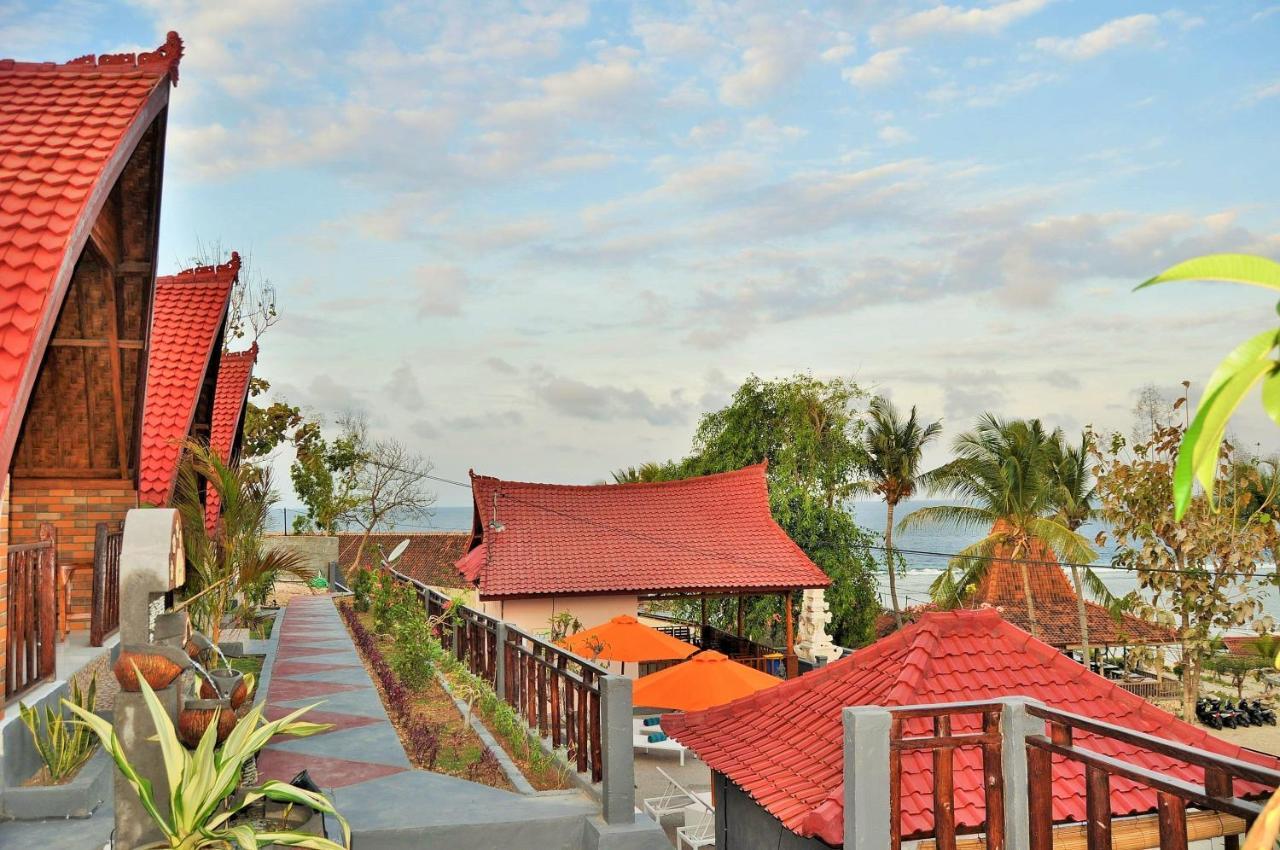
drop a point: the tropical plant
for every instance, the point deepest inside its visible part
(227, 560)
(62, 743)
(1252, 361)
(1002, 470)
(1075, 503)
(1238, 668)
(363, 582)
(895, 449)
(643, 474)
(201, 812)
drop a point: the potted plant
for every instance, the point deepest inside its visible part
(202, 811)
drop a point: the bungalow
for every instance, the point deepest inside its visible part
(777, 756)
(597, 551)
(81, 154)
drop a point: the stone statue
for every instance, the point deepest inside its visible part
(813, 644)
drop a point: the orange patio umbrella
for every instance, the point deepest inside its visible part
(707, 679)
(624, 639)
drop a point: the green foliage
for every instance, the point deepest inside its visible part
(415, 653)
(229, 561)
(362, 584)
(265, 428)
(810, 433)
(1238, 668)
(200, 811)
(895, 448)
(324, 477)
(62, 742)
(392, 601)
(1253, 361)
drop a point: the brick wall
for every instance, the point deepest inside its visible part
(74, 508)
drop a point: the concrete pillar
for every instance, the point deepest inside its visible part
(500, 661)
(618, 794)
(866, 778)
(1015, 726)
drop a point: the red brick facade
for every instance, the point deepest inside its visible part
(74, 507)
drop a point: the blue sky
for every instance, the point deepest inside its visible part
(539, 239)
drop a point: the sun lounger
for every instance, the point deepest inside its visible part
(674, 798)
(699, 830)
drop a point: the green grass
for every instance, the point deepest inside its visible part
(247, 664)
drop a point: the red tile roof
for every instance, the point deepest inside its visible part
(189, 311)
(429, 559)
(712, 533)
(66, 132)
(229, 397)
(783, 746)
(1055, 603)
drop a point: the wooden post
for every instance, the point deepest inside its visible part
(739, 615)
(47, 596)
(793, 666)
(704, 610)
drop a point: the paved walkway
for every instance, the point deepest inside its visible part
(361, 763)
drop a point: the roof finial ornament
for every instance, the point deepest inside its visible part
(494, 525)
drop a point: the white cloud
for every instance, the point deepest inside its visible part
(441, 290)
(1110, 36)
(882, 68)
(957, 20)
(892, 135)
(1265, 92)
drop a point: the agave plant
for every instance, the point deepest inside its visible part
(201, 782)
(1252, 361)
(63, 744)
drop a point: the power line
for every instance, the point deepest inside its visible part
(736, 558)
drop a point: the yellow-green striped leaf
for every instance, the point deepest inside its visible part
(1231, 268)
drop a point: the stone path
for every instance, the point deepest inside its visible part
(361, 764)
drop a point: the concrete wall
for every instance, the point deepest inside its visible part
(741, 824)
(317, 550)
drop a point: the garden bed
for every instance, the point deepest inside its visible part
(434, 733)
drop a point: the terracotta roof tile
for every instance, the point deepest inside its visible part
(709, 533)
(229, 397)
(65, 132)
(188, 313)
(783, 746)
(429, 559)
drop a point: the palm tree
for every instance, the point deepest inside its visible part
(1074, 503)
(894, 450)
(1002, 471)
(645, 473)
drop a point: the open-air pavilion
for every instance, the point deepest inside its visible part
(594, 552)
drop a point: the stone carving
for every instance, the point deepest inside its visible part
(813, 644)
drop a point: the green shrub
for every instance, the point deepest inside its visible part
(415, 654)
(63, 742)
(362, 587)
(392, 602)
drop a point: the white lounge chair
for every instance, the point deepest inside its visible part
(699, 834)
(640, 740)
(674, 798)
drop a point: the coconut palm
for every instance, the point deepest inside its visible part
(645, 473)
(1075, 505)
(894, 450)
(1002, 471)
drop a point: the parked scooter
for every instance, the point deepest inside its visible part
(1208, 714)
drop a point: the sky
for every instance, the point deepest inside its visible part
(541, 239)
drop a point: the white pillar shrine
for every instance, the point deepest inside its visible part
(813, 644)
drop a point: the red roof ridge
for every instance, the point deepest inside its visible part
(218, 273)
(744, 472)
(164, 60)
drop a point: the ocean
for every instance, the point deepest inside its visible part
(913, 585)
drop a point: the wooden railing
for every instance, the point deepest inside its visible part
(1216, 793)
(558, 694)
(761, 656)
(1154, 689)
(1019, 741)
(30, 656)
(105, 614)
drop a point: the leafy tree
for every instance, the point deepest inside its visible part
(1003, 471)
(810, 432)
(324, 477)
(1252, 361)
(895, 449)
(267, 427)
(1198, 567)
(1238, 668)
